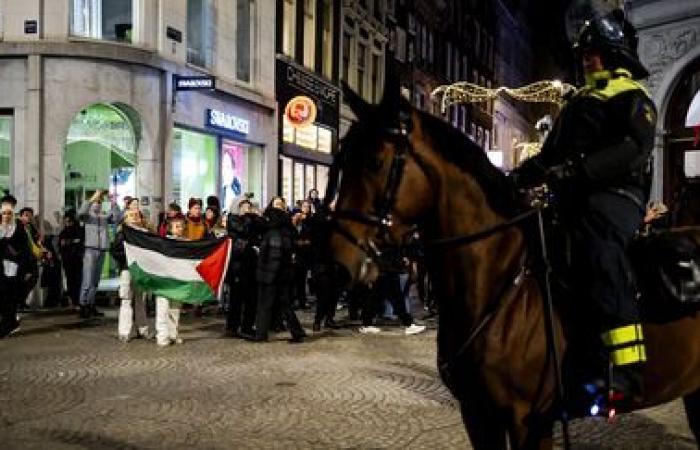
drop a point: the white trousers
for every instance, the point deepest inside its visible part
(132, 312)
(167, 320)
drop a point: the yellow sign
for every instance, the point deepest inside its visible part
(300, 111)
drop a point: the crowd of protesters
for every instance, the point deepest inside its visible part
(276, 259)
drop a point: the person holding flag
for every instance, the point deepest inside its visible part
(177, 271)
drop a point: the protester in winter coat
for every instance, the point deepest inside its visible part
(303, 253)
(274, 272)
(96, 246)
(173, 211)
(15, 259)
(167, 311)
(26, 218)
(132, 320)
(195, 229)
(244, 229)
(71, 247)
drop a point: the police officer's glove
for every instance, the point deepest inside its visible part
(562, 175)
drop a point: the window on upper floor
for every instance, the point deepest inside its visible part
(201, 26)
(377, 9)
(289, 21)
(245, 29)
(430, 48)
(448, 61)
(376, 67)
(347, 45)
(327, 39)
(111, 20)
(309, 33)
(361, 65)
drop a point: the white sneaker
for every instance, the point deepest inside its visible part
(414, 329)
(178, 341)
(163, 342)
(369, 330)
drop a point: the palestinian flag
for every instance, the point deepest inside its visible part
(183, 271)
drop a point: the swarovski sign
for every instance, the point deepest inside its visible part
(228, 122)
(183, 83)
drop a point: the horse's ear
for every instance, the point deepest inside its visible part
(356, 103)
(391, 98)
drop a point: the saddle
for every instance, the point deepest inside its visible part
(667, 273)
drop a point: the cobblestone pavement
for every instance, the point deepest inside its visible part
(65, 384)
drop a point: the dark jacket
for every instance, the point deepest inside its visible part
(604, 138)
(276, 248)
(70, 244)
(118, 251)
(15, 248)
(244, 231)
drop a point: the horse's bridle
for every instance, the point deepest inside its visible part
(383, 219)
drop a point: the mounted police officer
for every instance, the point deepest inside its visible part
(596, 160)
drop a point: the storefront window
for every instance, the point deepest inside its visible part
(298, 182)
(311, 137)
(200, 32)
(241, 172)
(194, 166)
(111, 20)
(5, 152)
(691, 165)
(322, 179)
(310, 179)
(286, 181)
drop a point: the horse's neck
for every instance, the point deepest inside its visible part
(470, 277)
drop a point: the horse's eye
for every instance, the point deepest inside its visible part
(374, 164)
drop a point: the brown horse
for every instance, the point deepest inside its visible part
(401, 172)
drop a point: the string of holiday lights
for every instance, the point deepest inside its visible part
(545, 91)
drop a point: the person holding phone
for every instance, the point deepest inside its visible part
(96, 247)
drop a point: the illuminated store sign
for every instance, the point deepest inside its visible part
(300, 111)
(228, 122)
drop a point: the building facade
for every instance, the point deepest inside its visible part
(669, 46)
(443, 42)
(307, 92)
(88, 100)
(363, 49)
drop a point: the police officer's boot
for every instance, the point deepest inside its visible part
(627, 356)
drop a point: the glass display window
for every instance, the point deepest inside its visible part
(5, 152)
(241, 172)
(194, 166)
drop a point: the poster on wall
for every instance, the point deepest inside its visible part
(233, 170)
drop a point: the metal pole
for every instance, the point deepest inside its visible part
(549, 329)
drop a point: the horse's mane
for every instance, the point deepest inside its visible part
(461, 151)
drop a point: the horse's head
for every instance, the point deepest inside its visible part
(399, 168)
(384, 185)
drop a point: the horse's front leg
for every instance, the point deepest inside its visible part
(530, 431)
(485, 426)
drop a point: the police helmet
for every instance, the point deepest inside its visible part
(616, 40)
